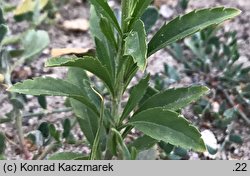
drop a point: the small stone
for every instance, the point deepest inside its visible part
(166, 11)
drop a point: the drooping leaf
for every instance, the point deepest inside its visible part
(103, 8)
(52, 87)
(121, 147)
(169, 127)
(188, 24)
(135, 44)
(34, 42)
(88, 121)
(136, 95)
(174, 99)
(66, 156)
(90, 64)
(79, 77)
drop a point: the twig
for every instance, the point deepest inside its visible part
(10, 141)
(229, 130)
(50, 148)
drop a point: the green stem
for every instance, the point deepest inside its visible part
(24, 149)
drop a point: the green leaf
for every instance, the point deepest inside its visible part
(44, 128)
(149, 18)
(149, 93)
(42, 101)
(103, 56)
(3, 31)
(166, 147)
(34, 42)
(108, 31)
(52, 87)
(2, 21)
(88, 121)
(3, 27)
(95, 27)
(140, 8)
(103, 8)
(236, 139)
(136, 95)
(188, 24)
(135, 44)
(66, 128)
(143, 143)
(90, 64)
(13, 39)
(2, 143)
(79, 77)
(169, 127)
(66, 156)
(174, 99)
(121, 147)
(171, 72)
(54, 133)
(2, 157)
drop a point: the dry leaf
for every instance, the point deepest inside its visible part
(76, 25)
(56, 52)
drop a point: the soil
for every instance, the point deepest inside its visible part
(61, 38)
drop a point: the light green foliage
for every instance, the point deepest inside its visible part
(169, 127)
(122, 50)
(135, 44)
(188, 24)
(40, 41)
